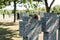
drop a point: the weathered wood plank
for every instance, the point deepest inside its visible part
(50, 35)
(48, 21)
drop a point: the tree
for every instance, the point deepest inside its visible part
(43, 9)
(46, 4)
(56, 9)
(14, 10)
(4, 3)
(24, 1)
(38, 0)
(16, 1)
(30, 1)
(48, 7)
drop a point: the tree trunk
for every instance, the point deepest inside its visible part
(14, 10)
(48, 7)
(3, 15)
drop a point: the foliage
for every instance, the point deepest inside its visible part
(43, 9)
(37, 0)
(24, 1)
(4, 3)
(30, 1)
(56, 9)
(1, 11)
(46, 4)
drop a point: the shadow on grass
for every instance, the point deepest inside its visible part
(6, 34)
(8, 23)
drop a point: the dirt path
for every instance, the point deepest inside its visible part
(10, 31)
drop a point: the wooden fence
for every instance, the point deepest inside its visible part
(30, 28)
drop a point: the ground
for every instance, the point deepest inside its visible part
(10, 30)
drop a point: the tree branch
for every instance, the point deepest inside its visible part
(46, 4)
(52, 3)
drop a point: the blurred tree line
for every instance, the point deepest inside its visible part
(47, 8)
